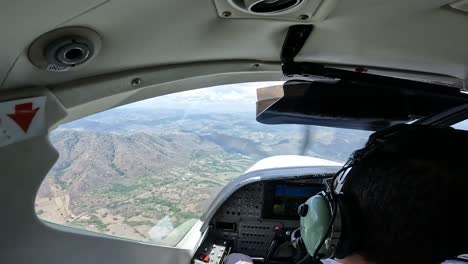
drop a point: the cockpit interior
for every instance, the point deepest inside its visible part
(259, 220)
(177, 131)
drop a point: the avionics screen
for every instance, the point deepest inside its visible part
(288, 197)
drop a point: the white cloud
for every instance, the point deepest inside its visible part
(224, 96)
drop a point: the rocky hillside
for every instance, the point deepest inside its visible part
(119, 177)
(91, 161)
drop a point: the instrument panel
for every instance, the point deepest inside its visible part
(249, 219)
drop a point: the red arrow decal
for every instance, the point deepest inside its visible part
(23, 116)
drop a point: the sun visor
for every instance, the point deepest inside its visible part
(366, 103)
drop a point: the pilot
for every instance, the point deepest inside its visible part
(401, 199)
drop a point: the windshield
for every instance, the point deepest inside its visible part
(147, 171)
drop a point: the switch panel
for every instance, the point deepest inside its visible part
(211, 252)
(256, 236)
(246, 203)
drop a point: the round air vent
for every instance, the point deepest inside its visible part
(69, 51)
(266, 7)
(299, 11)
(65, 49)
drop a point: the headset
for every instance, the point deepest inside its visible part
(328, 225)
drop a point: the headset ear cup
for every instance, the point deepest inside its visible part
(350, 227)
(315, 223)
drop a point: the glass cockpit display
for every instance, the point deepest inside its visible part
(287, 198)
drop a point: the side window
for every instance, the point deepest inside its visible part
(147, 171)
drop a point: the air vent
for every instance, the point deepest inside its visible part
(266, 6)
(65, 49)
(294, 10)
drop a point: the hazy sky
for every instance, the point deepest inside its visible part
(240, 97)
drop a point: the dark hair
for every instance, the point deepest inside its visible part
(412, 195)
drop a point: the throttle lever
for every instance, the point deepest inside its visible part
(279, 238)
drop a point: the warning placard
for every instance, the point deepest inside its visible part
(21, 119)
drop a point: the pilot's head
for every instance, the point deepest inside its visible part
(403, 200)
